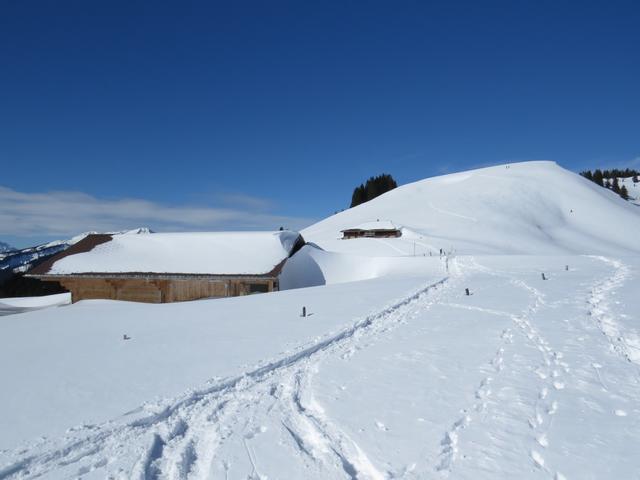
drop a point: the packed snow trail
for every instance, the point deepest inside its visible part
(503, 380)
(623, 343)
(179, 439)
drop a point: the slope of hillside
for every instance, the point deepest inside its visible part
(530, 208)
(632, 189)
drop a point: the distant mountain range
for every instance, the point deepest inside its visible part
(5, 247)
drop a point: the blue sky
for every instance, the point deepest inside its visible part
(216, 115)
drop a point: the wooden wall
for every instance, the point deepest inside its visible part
(153, 290)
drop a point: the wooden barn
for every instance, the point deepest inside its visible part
(377, 229)
(171, 267)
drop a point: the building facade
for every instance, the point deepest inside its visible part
(106, 267)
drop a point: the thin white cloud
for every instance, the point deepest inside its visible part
(607, 164)
(241, 200)
(635, 163)
(68, 213)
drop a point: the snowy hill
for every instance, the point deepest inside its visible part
(395, 373)
(531, 207)
(632, 188)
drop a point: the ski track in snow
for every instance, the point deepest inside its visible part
(179, 439)
(452, 214)
(625, 344)
(317, 436)
(550, 371)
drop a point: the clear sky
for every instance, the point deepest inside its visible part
(217, 115)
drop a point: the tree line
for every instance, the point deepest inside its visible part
(374, 187)
(609, 179)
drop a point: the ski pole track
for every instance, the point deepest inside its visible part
(180, 440)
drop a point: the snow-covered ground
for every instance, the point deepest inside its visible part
(633, 189)
(13, 305)
(397, 373)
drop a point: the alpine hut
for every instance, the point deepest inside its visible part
(377, 229)
(171, 267)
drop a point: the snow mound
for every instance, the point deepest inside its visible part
(312, 266)
(523, 208)
(37, 302)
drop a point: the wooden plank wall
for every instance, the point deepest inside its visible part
(150, 290)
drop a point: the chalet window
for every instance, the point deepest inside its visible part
(258, 288)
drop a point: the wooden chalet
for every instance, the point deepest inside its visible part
(171, 267)
(377, 229)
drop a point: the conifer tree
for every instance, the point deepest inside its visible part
(587, 174)
(373, 188)
(597, 177)
(624, 193)
(358, 196)
(615, 185)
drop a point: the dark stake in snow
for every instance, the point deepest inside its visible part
(126, 337)
(304, 312)
(543, 277)
(566, 267)
(466, 291)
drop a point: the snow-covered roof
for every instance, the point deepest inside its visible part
(203, 253)
(377, 225)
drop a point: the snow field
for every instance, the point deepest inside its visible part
(77, 355)
(157, 431)
(517, 380)
(10, 306)
(508, 392)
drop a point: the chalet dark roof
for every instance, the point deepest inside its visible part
(87, 244)
(377, 226)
